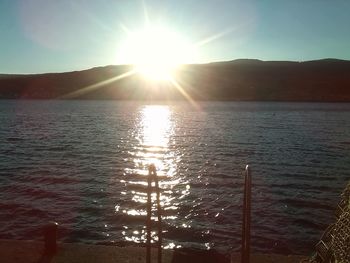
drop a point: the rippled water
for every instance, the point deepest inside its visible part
(84, 165)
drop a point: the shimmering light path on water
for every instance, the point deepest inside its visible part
(153, 133)
(83, 164)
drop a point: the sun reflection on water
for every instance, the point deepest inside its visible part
(153, 132)
(156, 125)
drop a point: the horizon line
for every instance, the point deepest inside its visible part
(184, 64)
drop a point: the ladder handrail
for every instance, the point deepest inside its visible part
(152, 175)
(245, 254)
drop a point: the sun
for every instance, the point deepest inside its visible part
(156, 52)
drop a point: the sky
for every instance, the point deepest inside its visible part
(56, 36)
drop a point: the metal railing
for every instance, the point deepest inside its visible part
(152, 176)
(246, 211)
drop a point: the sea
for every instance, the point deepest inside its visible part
(84, 164)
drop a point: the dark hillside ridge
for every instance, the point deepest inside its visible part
(326, 80)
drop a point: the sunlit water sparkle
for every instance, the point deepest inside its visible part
(154, 129)
(84, 164)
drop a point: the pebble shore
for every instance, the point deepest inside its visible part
(15, 251)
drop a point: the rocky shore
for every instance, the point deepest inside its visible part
(14, 251)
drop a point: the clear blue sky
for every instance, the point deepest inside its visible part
(64, 35)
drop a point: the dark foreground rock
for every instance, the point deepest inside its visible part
(13, 251)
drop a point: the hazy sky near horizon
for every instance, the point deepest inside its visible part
(55, 36)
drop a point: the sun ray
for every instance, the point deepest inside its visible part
(145, 13)
(125, 28)
(79, 8)
(95, 86)
(214, 37)
(184, 93)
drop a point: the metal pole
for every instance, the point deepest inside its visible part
(159, 210)
(50, 236)
(245, 254)
(152, 175)
(149, 213)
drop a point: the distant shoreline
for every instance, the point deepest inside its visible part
(325, 80)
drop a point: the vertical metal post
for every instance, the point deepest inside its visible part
(152, 175)
(159, 216)
(245, 254)
(149, 214)
(50, 236)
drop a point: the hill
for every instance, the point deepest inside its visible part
(320, 80)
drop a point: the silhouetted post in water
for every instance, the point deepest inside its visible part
(245, 255)
(159, 212)
(50, 235)
(152, 175)
(149, 214)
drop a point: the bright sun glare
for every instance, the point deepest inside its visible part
(156, 52)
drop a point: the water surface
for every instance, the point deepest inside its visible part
(84, 165)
